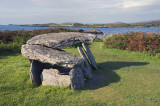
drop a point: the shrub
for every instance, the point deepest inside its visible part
(12, 40)
(8, 36)
(97, 40)
(140, 42)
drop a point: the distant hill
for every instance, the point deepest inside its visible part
(69, 23)
(153, 23)
(148, 22)
(118, 23)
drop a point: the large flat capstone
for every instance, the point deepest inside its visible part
(49, 55)
(61, 40)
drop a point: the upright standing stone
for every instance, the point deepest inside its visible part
(86, 68)
(77, 78)
(90, 55)
(35, 72)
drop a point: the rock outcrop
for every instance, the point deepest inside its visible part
(78, 30)
(94, 31)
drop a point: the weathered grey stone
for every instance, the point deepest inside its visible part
(53, 77)
(35, 72)
(49, 55)
(77, 78)
(90, 55)
(44, 50)
(61, 40)
(86, 68)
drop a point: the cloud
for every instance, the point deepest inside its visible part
(137, 3)
(85, 11)
(39, 2)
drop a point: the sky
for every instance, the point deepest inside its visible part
(81, 11)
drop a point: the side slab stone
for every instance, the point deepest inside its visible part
(77, 78)
(86, 67)
(52, 77)
(90, 55)
(35, 72)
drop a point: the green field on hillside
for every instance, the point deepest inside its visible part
(122, 78)
(61, 25)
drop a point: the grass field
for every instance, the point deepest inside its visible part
(123, 78)
(61, 25)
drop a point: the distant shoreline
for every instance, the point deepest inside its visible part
(146, 24)
(86, 26)
(13, 27)
(93, 26)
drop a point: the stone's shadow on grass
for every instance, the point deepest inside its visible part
(106, 74)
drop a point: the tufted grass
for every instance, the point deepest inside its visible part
(123, 78)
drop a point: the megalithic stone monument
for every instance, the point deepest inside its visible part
(44, 52)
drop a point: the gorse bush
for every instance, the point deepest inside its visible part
(139, 41)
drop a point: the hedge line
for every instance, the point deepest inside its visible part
(139, 41)
(9, 36)
(13, 40)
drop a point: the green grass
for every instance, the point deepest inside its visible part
(61, 25)
(125, 78)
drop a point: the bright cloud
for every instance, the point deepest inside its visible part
(137, 3)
